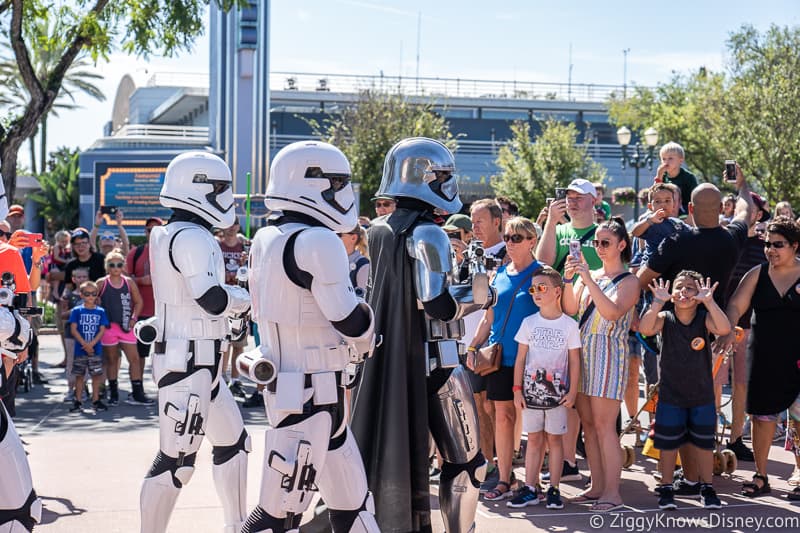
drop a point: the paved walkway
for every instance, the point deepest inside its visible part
(88, 470)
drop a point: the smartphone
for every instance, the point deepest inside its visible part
(730, 170)
(108, 210)
(454, 235)
(549, 201)
(561, 193)
(575, 249)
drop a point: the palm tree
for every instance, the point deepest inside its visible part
(48, 44)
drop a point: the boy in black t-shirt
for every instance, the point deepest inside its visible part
(685, 411)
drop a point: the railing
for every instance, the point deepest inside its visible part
(411, 86)
(466, 147)
(156, 131)
(455, 87)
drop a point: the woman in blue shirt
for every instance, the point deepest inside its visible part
(511, 281)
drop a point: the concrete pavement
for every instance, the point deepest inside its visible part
(88, 469)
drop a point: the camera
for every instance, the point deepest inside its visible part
(730, 170)
(108, 210)
(454, 235)
(561, 193)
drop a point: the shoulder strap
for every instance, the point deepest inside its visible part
(586, 236)
(137, 254)
(511, 304)
(590, 307)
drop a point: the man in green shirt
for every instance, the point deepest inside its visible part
(670, 171)
(579, 205)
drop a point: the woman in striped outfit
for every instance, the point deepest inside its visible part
(604, 300)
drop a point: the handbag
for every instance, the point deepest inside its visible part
(489, 358)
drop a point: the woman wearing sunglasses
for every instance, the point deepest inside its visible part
(511, 282)
(120, 297)
(604, 300)
(773, 290)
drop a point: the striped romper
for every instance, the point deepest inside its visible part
(604, 357)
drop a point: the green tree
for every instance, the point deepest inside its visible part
(761, 109)
(369, 128)
(141, 26)
(59, 198)
(684, 110)
(529, 171)
(749, 112)
(47, 38)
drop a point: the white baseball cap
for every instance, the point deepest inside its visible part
(582, 186)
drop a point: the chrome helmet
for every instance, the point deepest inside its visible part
(313, 178)
(424, 169)
(200, 182)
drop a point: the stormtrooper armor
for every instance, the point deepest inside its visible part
(419, 172)
(312, 328)
(20, 508)
(192, 306)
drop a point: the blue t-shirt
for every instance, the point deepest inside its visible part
(89, 322)
(656, 233)
(523, 306)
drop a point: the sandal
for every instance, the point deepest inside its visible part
(794, 481)
(751, 488)
(607, 507)
(497, 493)
(794, 495)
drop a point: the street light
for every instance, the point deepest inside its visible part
(639, 158)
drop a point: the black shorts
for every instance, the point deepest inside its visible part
(478, 382)
(499, 385)
(675, 426)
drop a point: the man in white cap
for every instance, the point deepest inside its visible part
(553, 250)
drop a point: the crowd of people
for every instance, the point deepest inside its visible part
(583, 305)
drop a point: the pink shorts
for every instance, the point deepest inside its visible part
(114, 335)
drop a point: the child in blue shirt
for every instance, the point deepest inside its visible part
(87, 324)
(662, 221)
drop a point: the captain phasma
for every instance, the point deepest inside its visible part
(20, 508)
(192, 307)
(314, 330)
(414, 386)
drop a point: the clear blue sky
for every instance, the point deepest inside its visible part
(501, 40)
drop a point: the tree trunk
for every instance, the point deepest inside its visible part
(43, 145)
(32, 146)
(8, 166)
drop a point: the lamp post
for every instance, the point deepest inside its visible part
(639, 158)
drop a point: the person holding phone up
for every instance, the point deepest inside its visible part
(107, 240)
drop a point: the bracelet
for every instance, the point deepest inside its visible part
(471, 349)
(516, 388)
(568, 280)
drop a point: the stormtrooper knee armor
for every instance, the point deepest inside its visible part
(310, 338)
(191, 322)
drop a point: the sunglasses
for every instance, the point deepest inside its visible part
(537, 288)
(88, 294)
(776, 244)
(116, 265)
(107, 238)
(602, 243)
(383, 204)
(7, 234)
(516, 238)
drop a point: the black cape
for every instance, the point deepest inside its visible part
(390, 414)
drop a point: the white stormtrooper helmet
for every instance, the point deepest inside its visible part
(313, 178)
(200, 182)
(424, 169)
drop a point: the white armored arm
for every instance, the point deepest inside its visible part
(191, 254)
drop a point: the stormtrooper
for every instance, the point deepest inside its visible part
(414, 386)
(314, 333)
(20, 508)
(192, 309)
